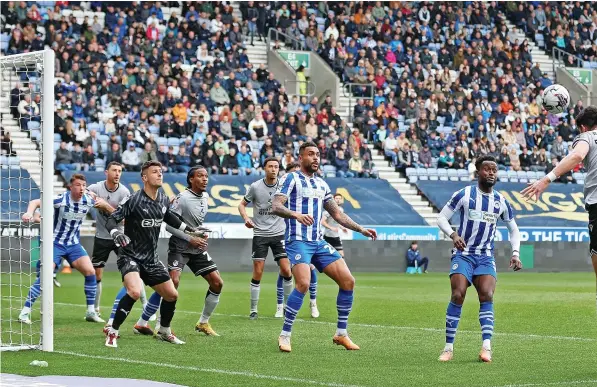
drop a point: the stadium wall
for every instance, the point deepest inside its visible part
(234, 255)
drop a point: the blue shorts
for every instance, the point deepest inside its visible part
(472, 266)
(319, 253)
(71, 253)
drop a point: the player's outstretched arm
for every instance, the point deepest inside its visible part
(332, 208)
(33, 205)
(578, 154)
(514, 234)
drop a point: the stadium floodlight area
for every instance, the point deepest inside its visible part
(19, 251)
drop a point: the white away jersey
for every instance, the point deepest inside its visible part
(590, 163)
(114, 198)
(306, 195)
(68, 217)
(479, 213)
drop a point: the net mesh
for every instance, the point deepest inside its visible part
(21, 120)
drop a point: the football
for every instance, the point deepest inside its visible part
(555, 99)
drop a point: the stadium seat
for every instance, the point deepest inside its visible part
(512, 176)
(522, 176)
(502, 176)
(443, 174)
(36, 134)
(453, 174)
(329, 171)
(422, 174)
(100, 164)
(57, 137)
(433, 173)
(578, 176)
(411, 172)
(56, 145)
(173, 141)
(4, 162)
(14, 161)
(161, 141)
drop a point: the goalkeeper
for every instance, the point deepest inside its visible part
(138, 261)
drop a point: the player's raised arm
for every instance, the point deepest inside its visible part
(344, 220)
(443, 219)
(33, 205)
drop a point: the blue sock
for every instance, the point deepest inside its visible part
(34, 292)
(486, 319)
(293, 305)
(452, 319)
(90, 288)
(280, 290)
(344, 306)
(152, 306)
(313, 285)
(120, 294)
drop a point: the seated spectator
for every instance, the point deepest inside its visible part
(6, 144)
(504, 162)
(460, 158)
(256, 165)
(405, 159)
(95, 143)
(162, 157)
(148, 154)
(77, 157)
(525, 160)
(130, 159)
(445, 160)
(538, 160)
(114, 154)
(341, 165)
(390, 147)
(230, 163)
(413, 257)
(355, 165)
(425, 157)
(196, 157)
(64, 159)
(369, 167)
(89, 159)
(182, 160)
(212, 162)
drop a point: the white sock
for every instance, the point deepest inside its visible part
(313, 302)
(165, 330)
(287, 286)
(98, 294)
(91, 308)
(285, 333)
(141, 322)
(341, 332)
(55, 275)
(487, 344)
(211, 301)
(255, 288)
(110, 321)
(143, 297)
(26, 310)
(449, 347)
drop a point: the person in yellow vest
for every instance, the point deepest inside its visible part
(302, 79)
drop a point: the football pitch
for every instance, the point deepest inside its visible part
(546, 335)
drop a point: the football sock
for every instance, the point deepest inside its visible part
(122, 310)
(167, 313)
(293, 305)
(119, 296)
(280, 290)
(34, 292)
(287, 285)
(211, 301)
(486, 321)
(452, 318)
(344, 306)
(149, 309)
(255, 287)
(313, 285)
(143, 296)
(56, 269)
(90, 287)
(98, 294)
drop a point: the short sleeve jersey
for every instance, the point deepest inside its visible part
(261, 195)
(113, 198)
(590, 163)
(192, 209)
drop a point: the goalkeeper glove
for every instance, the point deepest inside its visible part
(120, 239)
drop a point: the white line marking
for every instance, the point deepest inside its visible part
(507, 334)
(565, 383)
(208, 370)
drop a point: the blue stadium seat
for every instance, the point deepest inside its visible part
(56, 145)
(503, 176)
(161, 141)
(422, 174)
(173, 141)
(329, 171)
(57, 137)
(411, 172)
(453, 174)
(443, 174)
(522, 176)
(14, 162)
(433, 174)
(512, 176)
(4, 162)
(578, 176)
(36, 134)
(100, 164)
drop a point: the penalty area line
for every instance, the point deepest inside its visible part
(245, 374)
(396, 327)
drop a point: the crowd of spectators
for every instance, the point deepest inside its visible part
(438, 83)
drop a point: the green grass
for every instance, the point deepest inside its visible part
(398, 320)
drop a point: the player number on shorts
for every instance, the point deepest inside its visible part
(330, 248)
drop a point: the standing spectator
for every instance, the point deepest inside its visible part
(413, 257)
(183, 160)
(130, 159)
(64, 159)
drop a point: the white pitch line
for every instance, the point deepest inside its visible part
(405, 328)
(564, 383)
(209, 370)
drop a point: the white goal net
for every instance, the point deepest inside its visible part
(26, 160)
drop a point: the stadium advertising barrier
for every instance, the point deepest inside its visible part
(560, 207)
(367, 201)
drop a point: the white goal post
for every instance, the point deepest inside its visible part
(29, 162)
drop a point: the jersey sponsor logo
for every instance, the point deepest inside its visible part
(151, 223)
(74, 215)
(313, 193)
(483, 216)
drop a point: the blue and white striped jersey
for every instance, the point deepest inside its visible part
(68, 217)
(306, 195)
(479, 213)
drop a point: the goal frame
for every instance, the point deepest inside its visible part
(47, 57)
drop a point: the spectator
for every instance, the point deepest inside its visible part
(130, 159)
(114, 154)
(230, 163)
(425, 157)
(162, 157)
(148, 154)
(88, 159)
(355, 166)
(64, 159)
(390, 146)
(341, 165)
(212, 162)
(413, 257)
(77, 157)
(182, 160)
(525, 160)
(256, 165)
(196, 157)
(564, 178)
(446, 159)
(28, 111)
(244, 162)
(6, 147)
(405, 159)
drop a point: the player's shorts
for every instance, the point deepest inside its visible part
(101, 251)
(152, 272)
(472, 266)
(335, 242)
(592, 210)
(261, 244)
(70, 253)
(318, 253)
(200, 264)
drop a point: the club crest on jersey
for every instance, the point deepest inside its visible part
(297, 257)
(496, 205)
(164, 209)
(455, 266)
(175, 263)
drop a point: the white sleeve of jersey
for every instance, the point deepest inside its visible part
(514, 237)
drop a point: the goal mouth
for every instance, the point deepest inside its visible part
(27, 173)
